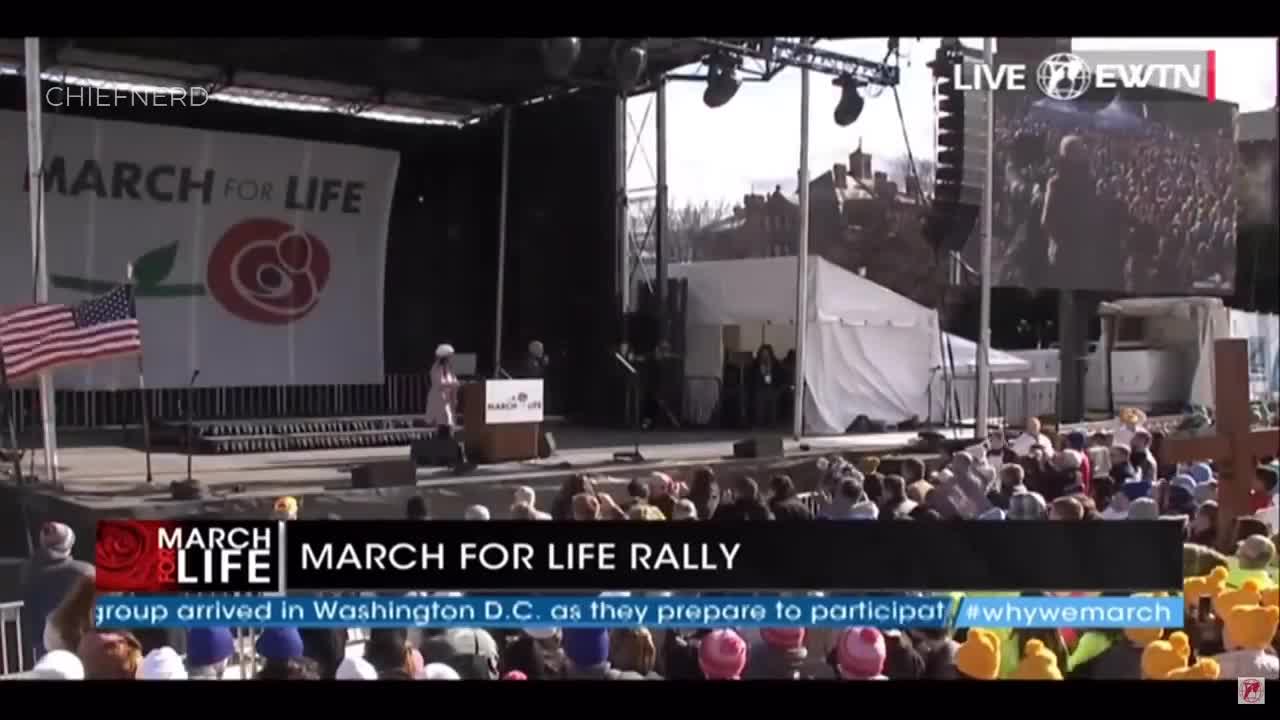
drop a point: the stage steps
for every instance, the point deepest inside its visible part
(221, 437)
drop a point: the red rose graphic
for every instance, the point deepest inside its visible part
(128, 556)
(267, 271)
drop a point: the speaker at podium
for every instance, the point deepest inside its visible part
(502, 420)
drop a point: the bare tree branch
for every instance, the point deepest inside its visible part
(686, 223)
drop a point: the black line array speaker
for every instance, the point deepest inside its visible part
(389, 473)
(758, 447)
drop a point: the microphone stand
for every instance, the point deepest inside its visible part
(632, 456)
(190, 430)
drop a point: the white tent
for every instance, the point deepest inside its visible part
(1184, 328)
(868, 351)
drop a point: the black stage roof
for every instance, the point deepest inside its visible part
(450, 80)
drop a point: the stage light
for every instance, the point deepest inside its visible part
(722, 84)
(559, 55)
(629, 61)
(850, 105)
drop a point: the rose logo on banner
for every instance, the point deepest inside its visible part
(128, 557)
(268, 272)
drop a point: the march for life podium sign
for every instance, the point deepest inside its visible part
(508, 402)
(257, 260)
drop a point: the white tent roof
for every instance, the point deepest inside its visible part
(763, 290)
(964, 352)
(1158, 307)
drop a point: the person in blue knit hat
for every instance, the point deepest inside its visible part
(208, 652)
(1201, 473)
(280, 648)
(586, 651)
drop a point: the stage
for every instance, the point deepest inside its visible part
(100, 481)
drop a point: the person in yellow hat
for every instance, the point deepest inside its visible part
(1038, 663)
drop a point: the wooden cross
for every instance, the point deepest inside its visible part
(1233, 446)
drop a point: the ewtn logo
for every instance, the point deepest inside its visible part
(1068, 76)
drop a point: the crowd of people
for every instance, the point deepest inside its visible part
(1231, 599)
(1150, 209)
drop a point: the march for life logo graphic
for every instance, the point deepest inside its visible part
(1251, 691)
(166, 556)
(266, 271)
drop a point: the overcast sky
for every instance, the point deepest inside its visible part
(753, 141)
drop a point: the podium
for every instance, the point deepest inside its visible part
(502, 419)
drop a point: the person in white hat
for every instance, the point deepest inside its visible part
(444, 391)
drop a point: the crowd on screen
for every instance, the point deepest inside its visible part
(1231, 599)
(1159, 203)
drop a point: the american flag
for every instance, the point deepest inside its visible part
(46, 336)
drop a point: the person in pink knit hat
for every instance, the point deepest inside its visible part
(722, 655)
(859, 654)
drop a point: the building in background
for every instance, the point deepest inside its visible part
(863, 221)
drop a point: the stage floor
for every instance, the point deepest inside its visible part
(109, 478)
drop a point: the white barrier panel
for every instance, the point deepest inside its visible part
(258, 260)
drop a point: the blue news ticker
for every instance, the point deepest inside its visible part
(899, 612)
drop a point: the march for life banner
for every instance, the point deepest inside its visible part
(257, 260)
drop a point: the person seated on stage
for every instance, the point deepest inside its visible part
(443, 395)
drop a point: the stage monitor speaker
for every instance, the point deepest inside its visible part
(761, 447)
(434, 452)
(546, 445)
(389, 473)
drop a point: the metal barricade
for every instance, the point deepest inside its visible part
(813, 501)
(401, 394)
(11, 648)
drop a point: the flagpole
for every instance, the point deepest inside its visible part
(39, 248)
(142, 380)
(9, 410)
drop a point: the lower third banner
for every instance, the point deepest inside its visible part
(897, 612)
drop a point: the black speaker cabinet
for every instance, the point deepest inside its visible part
(761, 447)
(434, 452)
(389, 473)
